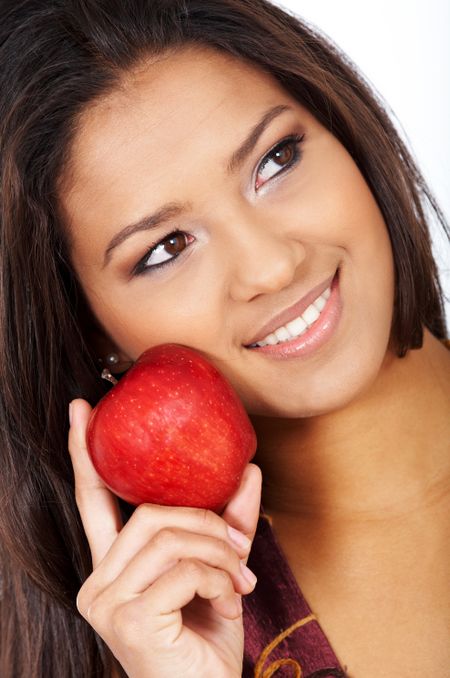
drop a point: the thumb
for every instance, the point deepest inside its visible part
(98, 507)
(242, 510)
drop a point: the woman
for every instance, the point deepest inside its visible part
(214, 173)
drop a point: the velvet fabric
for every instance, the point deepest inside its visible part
(276, 604)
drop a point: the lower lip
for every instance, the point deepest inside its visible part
(316, 336)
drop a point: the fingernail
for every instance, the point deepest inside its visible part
(238, 538)
(248, 574)
(70, 414)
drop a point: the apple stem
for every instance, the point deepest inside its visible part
(106, 374)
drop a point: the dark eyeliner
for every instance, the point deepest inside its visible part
(141, 268)
(293, 139)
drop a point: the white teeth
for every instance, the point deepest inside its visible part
(319, 303)
(282, 334)
(299, 325)
(311, 314)
(271, 339)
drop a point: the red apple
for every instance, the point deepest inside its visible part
(172, 431)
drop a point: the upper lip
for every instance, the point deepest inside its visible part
(292, 312)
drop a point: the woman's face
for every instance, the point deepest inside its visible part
(253, 236)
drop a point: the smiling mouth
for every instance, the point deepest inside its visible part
(303, 315)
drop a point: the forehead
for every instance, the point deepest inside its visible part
(186, 95)
(163, 135)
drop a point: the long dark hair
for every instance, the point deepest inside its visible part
(57, 56)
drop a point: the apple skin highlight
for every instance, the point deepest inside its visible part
(173, 431)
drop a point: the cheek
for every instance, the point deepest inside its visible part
(348, 216)
(367, 288)
(370, 251)
(329, 203)
(136, 316)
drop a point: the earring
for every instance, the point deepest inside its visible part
(106, 374)
(111, 359)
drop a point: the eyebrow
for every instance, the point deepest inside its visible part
(174, 209)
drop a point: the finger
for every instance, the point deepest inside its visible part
(177, 587)
(148, 519)
(170, 546)
(242, 510)
(98, 507)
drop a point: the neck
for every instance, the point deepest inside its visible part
(380, 455)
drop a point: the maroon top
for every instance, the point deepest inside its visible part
(275, 605)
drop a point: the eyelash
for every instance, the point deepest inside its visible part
(294, 140)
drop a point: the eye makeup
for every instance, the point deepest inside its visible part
(276, 154)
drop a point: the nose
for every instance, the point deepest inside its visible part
(263, 259)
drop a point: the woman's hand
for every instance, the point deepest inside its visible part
(165, 591)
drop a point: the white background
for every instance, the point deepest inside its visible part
(403, 49)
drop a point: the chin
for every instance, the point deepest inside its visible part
(301, 410)
(320, 395)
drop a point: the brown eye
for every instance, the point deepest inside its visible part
(164, 252)
(285, 154)
(175, 244)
